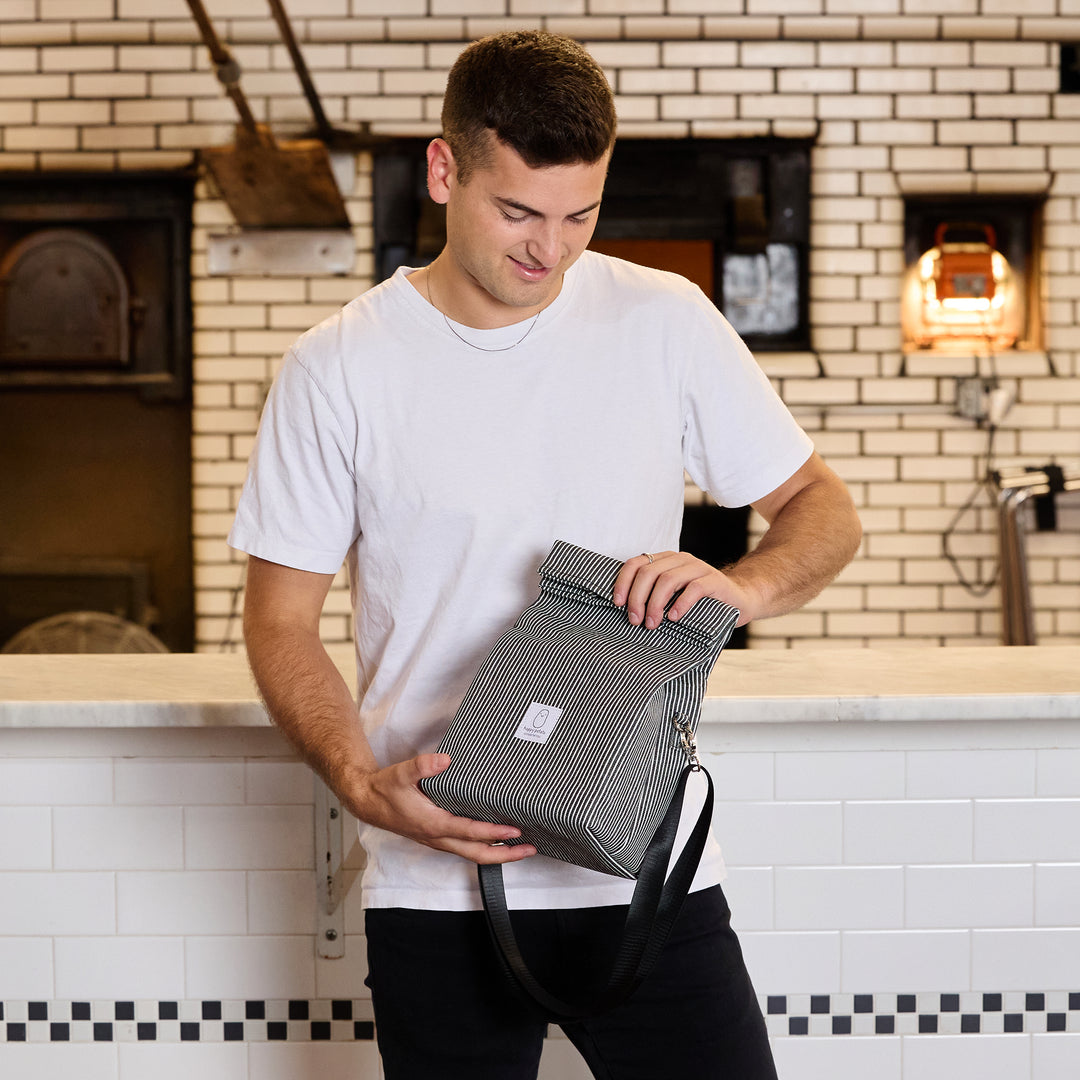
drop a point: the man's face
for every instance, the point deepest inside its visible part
(512, 232)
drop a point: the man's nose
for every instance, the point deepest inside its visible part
(545, 244)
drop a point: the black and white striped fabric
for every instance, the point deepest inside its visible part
(570, 730)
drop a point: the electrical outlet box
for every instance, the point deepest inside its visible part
(973, 397)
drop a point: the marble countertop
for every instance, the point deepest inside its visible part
(747, 686)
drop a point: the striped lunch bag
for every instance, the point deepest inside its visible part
(579, 730)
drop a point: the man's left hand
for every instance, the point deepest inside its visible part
(646, 586)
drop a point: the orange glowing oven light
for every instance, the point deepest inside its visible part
(964, 282)
(965, 269)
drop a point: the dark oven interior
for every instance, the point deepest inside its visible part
(95, 404)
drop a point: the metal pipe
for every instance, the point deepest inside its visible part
(1015, 487)
(1017, 617)
(225, 65)
(322, 125)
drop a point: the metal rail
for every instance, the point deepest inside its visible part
(1015, 488)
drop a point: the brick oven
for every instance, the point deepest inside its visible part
(95, 412)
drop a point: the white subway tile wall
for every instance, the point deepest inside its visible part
(166, 922)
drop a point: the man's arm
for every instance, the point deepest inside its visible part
(308, 699)
(813, 534)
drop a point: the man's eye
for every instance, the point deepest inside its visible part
(512, 217)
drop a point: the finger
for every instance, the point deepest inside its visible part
(644, 582)
(476, 840)
(427, 765)
(467, 830)
(490, 854)
(667, 584)
(439, 823)
(672, 573)
(691, 593)
(620, 591)
(432, 822)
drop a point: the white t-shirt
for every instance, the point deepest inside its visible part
(442, 474)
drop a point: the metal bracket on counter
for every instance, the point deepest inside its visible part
(329, 886)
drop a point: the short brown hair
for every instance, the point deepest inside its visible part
(540, 94)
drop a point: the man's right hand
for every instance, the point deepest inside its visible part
(391, 799)
(308, 700)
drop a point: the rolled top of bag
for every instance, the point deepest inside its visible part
(571, 571)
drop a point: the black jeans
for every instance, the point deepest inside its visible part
(445, 1011)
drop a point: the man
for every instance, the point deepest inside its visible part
(439, 434)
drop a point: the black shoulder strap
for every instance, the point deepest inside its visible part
(657, 900)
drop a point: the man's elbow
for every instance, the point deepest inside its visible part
(849, 531)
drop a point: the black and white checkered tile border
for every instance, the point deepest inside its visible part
(185, 1021)
(970, 1013)
(346, 1021)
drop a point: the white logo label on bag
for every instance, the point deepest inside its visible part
(538, 722)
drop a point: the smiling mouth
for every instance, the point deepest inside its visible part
(531, 271)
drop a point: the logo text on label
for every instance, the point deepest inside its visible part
(538, 722)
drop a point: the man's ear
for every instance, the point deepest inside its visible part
(441, 170)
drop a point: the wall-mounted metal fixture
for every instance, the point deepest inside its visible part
(983, 399)
(1015, 488)
(281, 252)
(329, 874)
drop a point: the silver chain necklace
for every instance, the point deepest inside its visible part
(466, 341)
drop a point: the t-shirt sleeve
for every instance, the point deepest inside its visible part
(298, 503)
(740, 440)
